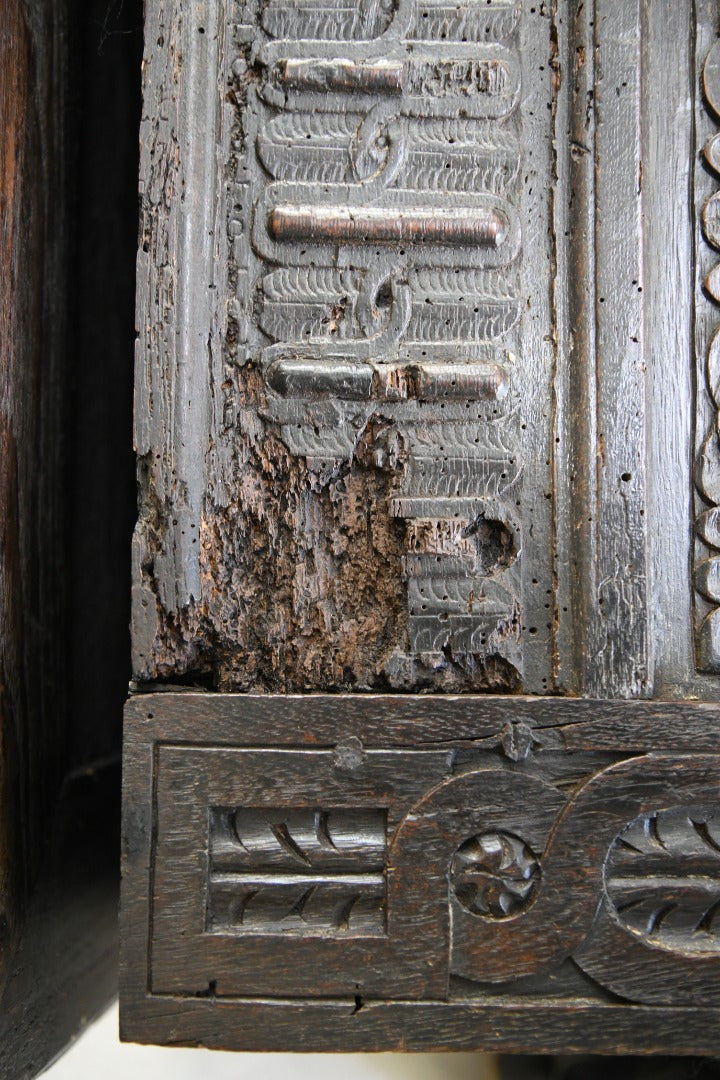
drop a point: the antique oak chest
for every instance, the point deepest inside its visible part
(423, 744)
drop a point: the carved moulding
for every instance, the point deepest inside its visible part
(707, 525)
(399, 853)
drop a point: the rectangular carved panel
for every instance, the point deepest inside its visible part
(307, 903)
(290, 871)
(396, 871)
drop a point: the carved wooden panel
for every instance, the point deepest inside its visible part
(392, 872)
(427, 437)
(297, 872)
(375, 376)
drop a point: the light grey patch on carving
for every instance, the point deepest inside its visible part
(713, 368)
(712, 153)
(708, 468)
(711, 220)
(708, 527)
(708, 648)
(712, 283)
(349, 756)
(711, 79)
(707, 579)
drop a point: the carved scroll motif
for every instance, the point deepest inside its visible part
(387, 869)
(634, 904)
(707, 526)
(386, 237)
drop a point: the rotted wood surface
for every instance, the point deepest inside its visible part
(462, 408)
(345, 449)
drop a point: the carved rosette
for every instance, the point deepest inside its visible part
(707, 564)
(494, 874)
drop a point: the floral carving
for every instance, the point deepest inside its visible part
(495, 874)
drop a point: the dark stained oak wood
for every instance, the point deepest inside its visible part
(33, 262)
(69, 103)
(254, 1025)
(422, 748)
(559, 794)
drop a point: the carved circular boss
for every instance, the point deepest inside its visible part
(523, 878)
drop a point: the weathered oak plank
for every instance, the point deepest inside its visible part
(566, 776)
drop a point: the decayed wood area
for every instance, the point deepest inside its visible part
(360, 530)
(390, 397)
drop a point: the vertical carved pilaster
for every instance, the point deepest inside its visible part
(707, 475)
(377, 293)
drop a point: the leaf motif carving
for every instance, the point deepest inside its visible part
(288, 128)
(327, 20)
(302, 871)
(309, 284)
(444, 283)
(476, 20)
(714, 368)
(663, 878)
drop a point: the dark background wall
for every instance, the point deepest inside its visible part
(70, 106)
(107, 37)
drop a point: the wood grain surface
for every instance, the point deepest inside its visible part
(69, 102)
(422, 744)
(610, 819)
